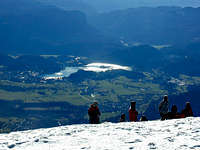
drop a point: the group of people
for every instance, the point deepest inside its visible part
(94, 112)
(173, 114)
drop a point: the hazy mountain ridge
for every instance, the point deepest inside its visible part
(154, 26)
(111, 5)
(44, 29)
(98, 6)
(71, 5)
(51, 30)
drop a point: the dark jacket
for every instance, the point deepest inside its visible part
(133, 114)
(163, 107)
(187, 112)
(94, 114)
(173, 114)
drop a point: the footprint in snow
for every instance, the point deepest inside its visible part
(131, 147)
(195, 147)
(36, 140)
(11, 146)
(170, 139)
(182, 134)
(68, 134)
(196, 131)
(136, 141)
(45, 141)
(152, 146)
(183, 146)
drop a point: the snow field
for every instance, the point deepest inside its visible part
(179, 134)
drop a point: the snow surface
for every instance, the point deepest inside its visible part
(182, 134)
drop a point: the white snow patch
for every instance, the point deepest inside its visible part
(180, 134)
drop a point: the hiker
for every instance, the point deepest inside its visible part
(143, 118)
(187, 112)
(164, 107)
(94, 113)
(123, 118)
(173, 114)
(132, 112)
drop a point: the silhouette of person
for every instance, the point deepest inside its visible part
(123, 118)
(173, 114)
(132, 112)
(164, 107)
(94, 113)
(187, 111)
(143, 118)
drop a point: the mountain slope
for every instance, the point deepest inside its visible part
(154, 26)
(110, 5)
(34, 28)
(71, 5)
(162, 135)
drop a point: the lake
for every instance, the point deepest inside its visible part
(96, 67)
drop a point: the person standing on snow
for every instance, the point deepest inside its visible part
(94, 113)
(132, 112)
(164, 107)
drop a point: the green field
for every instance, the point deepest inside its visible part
(32, 101)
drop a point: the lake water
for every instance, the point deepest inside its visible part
(96, 67)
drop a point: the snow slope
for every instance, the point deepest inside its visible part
(182, 134)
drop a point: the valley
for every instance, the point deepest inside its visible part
(58, 57)
(30, 101)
